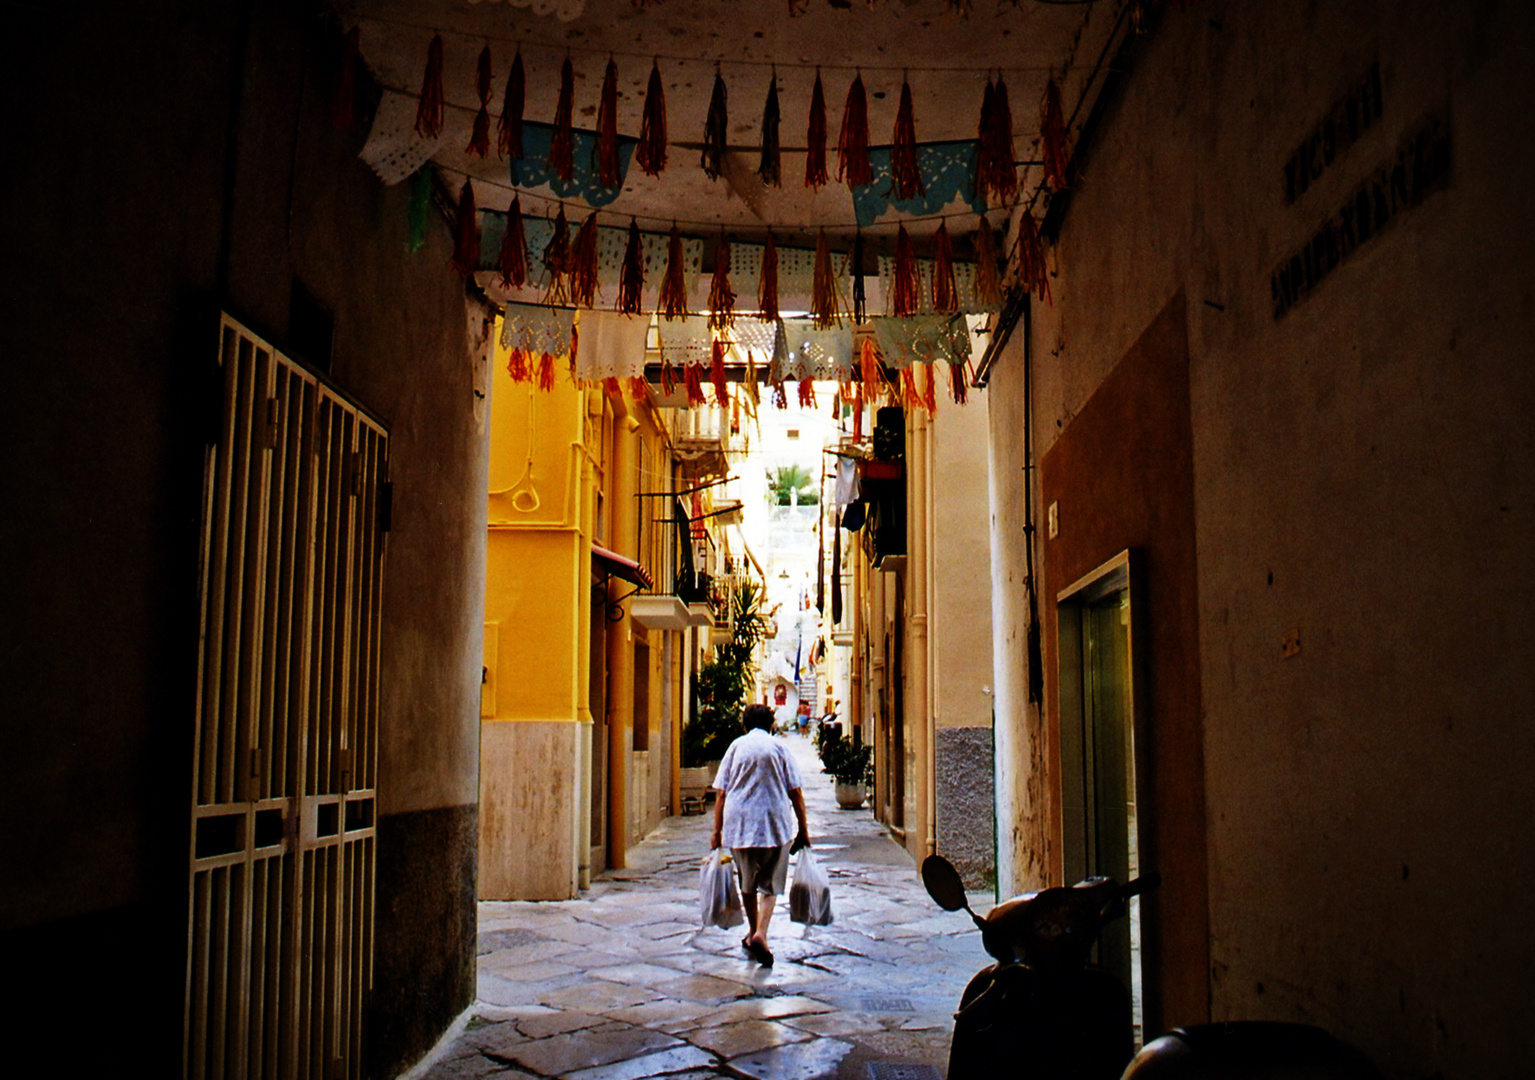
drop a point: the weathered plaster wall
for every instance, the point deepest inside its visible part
(159, 137)
(965, 796)
(959, 638)
(1024, 841)
(1362, 485)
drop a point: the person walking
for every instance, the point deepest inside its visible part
(757, 787)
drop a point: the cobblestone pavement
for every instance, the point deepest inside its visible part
(622, 984)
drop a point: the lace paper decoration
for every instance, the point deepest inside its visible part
(686, 341)
(763, 340)
(536, 329)
(814, 354)
(964, 285)
(948, 172)
(923, 339)
(611, 242)
(533, 169)
(394, 151)
(611, 345)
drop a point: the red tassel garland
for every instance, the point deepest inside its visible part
(868, 369)
(722, 298)
(513, 261)
(815, 138)
(546, 372)
(562, 142)
(668, 376)
(674, 292)
(930, 389)
(767, 283)
(343, 108)
(858, 416)
(517, 365)
(806, 394)
(607, 129)
(717, 373)
(557, 259)
(988, 283)
(466, 243)
(1052, 129)
(631, 277)
(780, 395)
(853, 143)
(908, 278)
(995, 175)
(716, 127)
(583, 264)
(1033, 274)
(945, 294)
(692, 379)
(430, 110)
(509, 128)
(960, 390)
(910, 399)
(651, 152)
(479, 141)
(823, 286)
(637, 388)
(768, 169)
(905, 178)
(611, 388)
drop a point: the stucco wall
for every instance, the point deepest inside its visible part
(161, 146)
(959, 636)
(1363, 471)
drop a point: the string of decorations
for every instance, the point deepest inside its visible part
(522, 41)
(995, 168)
(575, 265)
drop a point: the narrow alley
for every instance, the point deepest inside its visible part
(622, 984)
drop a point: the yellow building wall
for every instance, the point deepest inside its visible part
(535, 727)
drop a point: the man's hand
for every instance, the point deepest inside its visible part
(801, 841)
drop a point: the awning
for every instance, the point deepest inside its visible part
(614, 564)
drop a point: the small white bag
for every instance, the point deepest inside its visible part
(719, 900)
(810, 895)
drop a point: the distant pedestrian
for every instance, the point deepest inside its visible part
(759, 801)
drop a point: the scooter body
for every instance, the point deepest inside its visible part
(1014, 1020)
(1042, 1009)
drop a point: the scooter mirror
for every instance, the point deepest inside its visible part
(943, 883)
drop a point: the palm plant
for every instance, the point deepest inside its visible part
(789, 484)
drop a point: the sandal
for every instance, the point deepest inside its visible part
(759, 953)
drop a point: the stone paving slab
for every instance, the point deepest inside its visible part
(622, 984)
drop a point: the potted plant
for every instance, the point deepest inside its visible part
(850, 764)
(720, 688)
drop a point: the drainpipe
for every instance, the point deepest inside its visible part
(856, 675)
(587, 467)
(918, 524)
(624, 508)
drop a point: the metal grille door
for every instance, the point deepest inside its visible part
(280, 921)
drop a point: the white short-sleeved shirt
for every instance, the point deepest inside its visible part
(757, 774)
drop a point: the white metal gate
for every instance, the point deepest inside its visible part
(280, 920)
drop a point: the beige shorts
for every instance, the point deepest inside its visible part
(765, 869)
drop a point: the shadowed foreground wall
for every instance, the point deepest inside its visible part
(1363, 469)
(173, 160)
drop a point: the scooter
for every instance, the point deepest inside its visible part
(1042, 1009)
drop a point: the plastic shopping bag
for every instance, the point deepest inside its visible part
(810, 895)
(719, 900)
